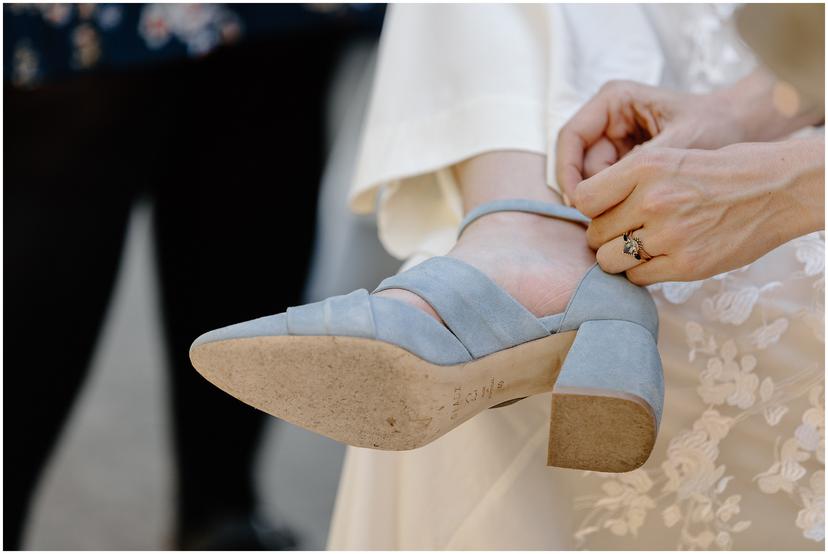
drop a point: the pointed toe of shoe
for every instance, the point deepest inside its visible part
(268, 326)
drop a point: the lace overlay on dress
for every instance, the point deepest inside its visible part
(742, 319)
(754, 353)
(739, 462)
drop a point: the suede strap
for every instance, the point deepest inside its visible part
(483, 316)
(523, 205)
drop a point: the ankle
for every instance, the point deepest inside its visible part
(546, 237)
(537, 259)
(517, 221)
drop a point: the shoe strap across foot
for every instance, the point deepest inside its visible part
(599, 295)
(483, 316)
(557, 211)
(486, 319)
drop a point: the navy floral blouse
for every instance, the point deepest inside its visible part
(44, 42)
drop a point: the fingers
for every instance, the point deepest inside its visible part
(646, 119)
(604, 190)
(657, 270)
(639, 169)
(615, 221)
(606, 129)
(569, 161)
(612, 257)
(580, 132)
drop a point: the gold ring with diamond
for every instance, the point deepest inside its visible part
(634, 246)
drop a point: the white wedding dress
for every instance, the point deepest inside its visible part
(739, 463)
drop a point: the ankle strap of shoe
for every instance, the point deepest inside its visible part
(523, 205)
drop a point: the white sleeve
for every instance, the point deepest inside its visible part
(451, 81)
(455, 81)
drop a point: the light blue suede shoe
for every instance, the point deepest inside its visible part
(378, 373)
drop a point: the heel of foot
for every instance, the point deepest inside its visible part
(598, 431)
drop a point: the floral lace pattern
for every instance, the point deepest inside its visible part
(729, 344)
(712, 50)
(736, 322)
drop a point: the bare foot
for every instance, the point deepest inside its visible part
(538, 260)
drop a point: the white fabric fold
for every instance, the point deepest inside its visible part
(457, 81)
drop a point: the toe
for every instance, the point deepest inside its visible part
(272, 325)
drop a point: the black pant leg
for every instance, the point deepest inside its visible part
(234, 225)
(66, 208)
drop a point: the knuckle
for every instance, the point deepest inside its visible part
(615, 86)
(655, 201)
(653, 160)
(609, 86)
(667, 201)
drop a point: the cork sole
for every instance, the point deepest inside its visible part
(599, 430)
(373, 394)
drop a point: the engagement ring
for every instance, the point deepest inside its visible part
(635, 247)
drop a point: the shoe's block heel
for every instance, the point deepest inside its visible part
(607, 401)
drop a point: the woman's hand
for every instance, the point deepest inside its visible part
(624, 115)
(700, 213)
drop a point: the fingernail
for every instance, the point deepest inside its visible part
(566, 199)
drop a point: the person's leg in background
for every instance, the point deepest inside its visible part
(67, 200)
(234, 225)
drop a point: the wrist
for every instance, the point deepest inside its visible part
(754, 109)
(779, 183)
(730, 106)
(810, 180)
(799, 164)
(749, 103)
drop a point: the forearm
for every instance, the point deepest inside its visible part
(761, 112)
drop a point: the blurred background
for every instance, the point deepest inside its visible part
(169, 169)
